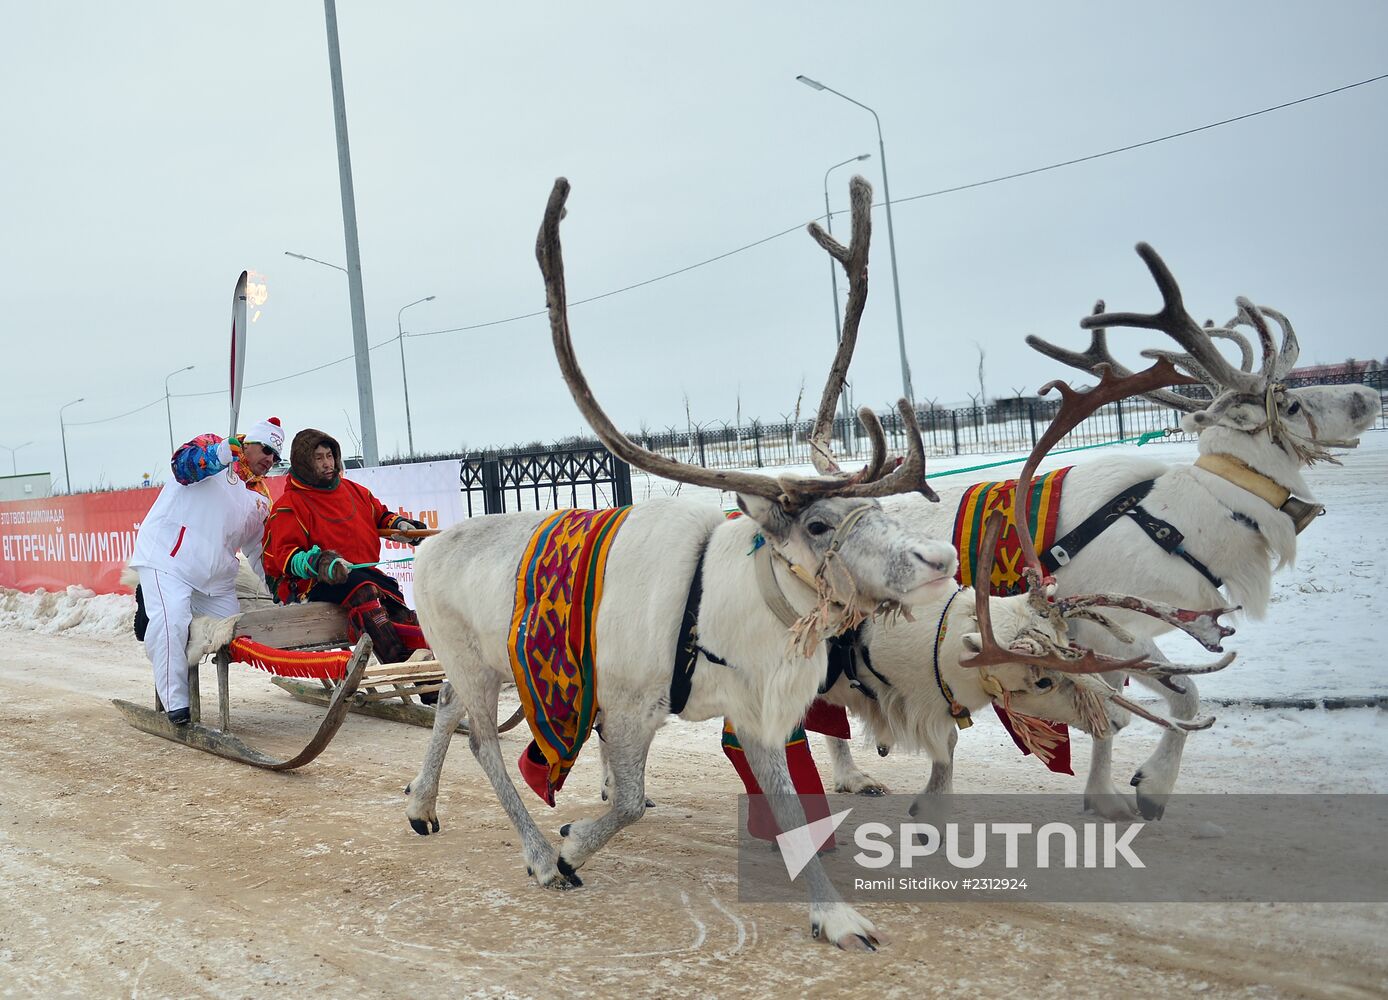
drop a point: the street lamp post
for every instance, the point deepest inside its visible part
(362, 347)
(834, 285)
(404, 377)
(168, 410)
(304, 256)
(891, 236)
(62, 428)
(14, 468)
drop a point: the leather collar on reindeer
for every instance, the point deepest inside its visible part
(1242, 475)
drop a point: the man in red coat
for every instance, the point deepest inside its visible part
(321, 524)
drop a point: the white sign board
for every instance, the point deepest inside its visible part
(426, 491)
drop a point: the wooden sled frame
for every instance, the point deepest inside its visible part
(387, 691)
(220, 741)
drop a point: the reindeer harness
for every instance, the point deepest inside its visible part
(1126, 504)
(843, 647)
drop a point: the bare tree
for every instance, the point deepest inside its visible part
(982, 395)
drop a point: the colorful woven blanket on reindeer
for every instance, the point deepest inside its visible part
(552, 638)
(978, 502)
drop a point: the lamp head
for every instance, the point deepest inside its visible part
(810, 83)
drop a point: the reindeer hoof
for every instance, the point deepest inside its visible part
(604, 794)
(1151, 809)
(570, 876)
(564, 830)
(650, 802)
(421, 827)
(1112, 807)
(858, 942)
(883, 751)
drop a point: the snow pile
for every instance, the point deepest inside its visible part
(74, 611)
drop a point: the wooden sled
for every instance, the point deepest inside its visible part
(386, 690)
(220, 741)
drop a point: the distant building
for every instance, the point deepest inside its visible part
(1344, 368)
(30, 486)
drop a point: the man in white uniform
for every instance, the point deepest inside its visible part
(185, 551)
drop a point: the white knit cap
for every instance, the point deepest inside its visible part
(268, 433)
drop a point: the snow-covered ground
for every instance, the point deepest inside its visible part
(183, 875)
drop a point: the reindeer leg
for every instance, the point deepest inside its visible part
(607, 772)
(626, 747)
(421, 806)
(830, 916)
(478, 690)
(1100, 795)
(932, 805)
(1156, 778)
(847, 777)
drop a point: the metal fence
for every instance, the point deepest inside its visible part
(582, 473)
(583, 476)
(1005, 425)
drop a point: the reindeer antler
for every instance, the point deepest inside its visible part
(1200, 356)
(1204, 626)
(1074, 659)
(854, 259)
(994, 653)
(1097, 356)
(1076, 405)
(791, 491)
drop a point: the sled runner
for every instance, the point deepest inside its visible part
(398, 692)
(314, 631)
(389, 691)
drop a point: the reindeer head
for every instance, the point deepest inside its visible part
(868, 559)
(1041, 639)
(1059, 655)
(1252, 415)
(860, 559)
(1039, 692)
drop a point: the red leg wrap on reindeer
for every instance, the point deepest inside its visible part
(803, 775)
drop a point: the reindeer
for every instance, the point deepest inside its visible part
(1238, 508)
(1036, 673)
(836, 556)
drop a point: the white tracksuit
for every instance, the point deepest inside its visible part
(185, 553)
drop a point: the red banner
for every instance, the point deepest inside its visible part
(85, 539)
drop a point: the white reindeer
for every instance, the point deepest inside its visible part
(1033, 670)
(859, 560)
(1238, 508)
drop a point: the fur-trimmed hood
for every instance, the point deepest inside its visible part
(301, 458)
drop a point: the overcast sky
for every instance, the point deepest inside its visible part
(151, 151)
